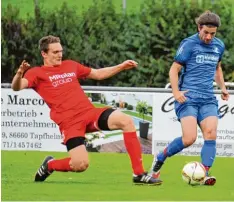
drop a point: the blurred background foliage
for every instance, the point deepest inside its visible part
(101, 36)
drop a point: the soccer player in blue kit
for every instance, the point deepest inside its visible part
(199, 60)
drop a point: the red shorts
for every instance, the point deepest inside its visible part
(78, 125)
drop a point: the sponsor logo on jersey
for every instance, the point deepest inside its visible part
(59, 79)
(61, 76)
(207, 58)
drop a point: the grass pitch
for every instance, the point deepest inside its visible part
(109, 178)
(26, 7)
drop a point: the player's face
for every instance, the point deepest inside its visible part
(54, 55)
(207, 33)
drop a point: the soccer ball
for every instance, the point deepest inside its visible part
(193, 173)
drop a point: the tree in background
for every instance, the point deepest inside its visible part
(100, 37)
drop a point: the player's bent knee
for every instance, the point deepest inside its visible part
(79, 166)
(210, 135)
(79, 156)
(83, 166)
(119, 120)
(127, 123)
(187, 141)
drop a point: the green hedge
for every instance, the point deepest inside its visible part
(129, 107)
(102, 37)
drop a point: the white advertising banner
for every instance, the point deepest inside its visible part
(166, 126)
(26, 124)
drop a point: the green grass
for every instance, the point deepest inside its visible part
(117, 133)
(27, 6)
(108, 178)
(131, 113)
(100, 105)
(148, 118)
(113, 134)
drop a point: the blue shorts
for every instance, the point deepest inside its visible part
(197, 106)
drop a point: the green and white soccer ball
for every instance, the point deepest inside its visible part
(193, 173)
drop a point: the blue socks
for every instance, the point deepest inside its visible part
(208, 152)
(173, 148)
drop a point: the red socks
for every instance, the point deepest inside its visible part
(133, 147)
(59, 165)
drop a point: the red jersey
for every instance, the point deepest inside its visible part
(60, 88)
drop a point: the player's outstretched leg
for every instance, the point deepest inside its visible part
(43, 172)
(134, 150)
(119, 120)
(156, 166)
(189, 128)
(173, 148)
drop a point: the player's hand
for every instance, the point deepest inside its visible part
(180, 97)
(129, 64)
(23, 67)
(225, 95)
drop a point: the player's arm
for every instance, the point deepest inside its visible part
(183, 54)
(174, 78)
(107, 72)
(18, 82)
(220, 81)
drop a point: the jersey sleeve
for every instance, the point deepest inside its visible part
(82, 71)
(31, 76)
(183, 53)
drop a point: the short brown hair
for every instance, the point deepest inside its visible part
(46, 40)
(208, 18)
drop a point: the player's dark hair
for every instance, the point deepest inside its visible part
(46, 40)
(209, 19)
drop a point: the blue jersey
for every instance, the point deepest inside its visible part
(199, 62)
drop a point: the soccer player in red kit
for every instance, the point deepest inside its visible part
(57, 83)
